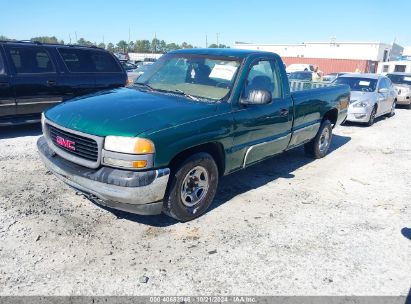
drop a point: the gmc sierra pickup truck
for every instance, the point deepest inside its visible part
(196, 115)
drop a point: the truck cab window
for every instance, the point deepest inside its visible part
(31, 60)
(263, 76)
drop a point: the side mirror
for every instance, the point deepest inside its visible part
(383, 90)
(257, 97)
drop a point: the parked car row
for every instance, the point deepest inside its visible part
(372, 95)
(35, 76)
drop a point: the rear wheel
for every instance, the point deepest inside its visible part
(372, 116)
(192, 188)
(318, 147)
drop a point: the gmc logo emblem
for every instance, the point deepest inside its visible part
(65, 143)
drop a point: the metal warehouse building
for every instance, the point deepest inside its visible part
(332, 56)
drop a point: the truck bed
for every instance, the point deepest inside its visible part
(301, 85)
(311, 102)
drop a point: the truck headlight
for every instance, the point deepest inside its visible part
(130, 145)
(128, 152)
(361, 104)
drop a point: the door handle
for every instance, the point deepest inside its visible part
(51, 83)
(4, 84)
(283, 112)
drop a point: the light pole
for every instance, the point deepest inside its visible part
(218, 45)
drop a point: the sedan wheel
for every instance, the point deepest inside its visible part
(372, 116)
(392, 112)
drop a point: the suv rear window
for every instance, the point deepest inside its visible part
(31, 60)
(104, 62)
(86, 61)
(2, 69)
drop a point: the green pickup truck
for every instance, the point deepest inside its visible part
(194, 116)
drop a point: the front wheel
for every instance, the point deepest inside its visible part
(392, 112)
(372, 116)
(192, 188)
(318, 147)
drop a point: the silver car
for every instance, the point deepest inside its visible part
(402, 83)
(372, 96)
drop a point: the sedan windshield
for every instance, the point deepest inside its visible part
(400, 79)
(195, 76)
(358, 84)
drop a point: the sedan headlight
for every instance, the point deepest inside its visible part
(360, 104)
(130, 145)
(128, 152)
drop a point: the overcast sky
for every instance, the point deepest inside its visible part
(258, 21)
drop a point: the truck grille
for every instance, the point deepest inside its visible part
(76, 145)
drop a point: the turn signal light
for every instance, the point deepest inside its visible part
(139, 164)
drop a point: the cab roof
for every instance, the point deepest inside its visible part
(239, 53)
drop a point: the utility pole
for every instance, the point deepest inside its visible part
(69, 38)
(218, 45)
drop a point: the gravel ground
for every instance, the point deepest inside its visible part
(289, 226)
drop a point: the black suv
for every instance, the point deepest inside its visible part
(35, 76)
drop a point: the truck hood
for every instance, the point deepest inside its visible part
(127, 112)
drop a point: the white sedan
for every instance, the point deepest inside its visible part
(372, 96)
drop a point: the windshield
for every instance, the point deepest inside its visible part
(358, 84)
(400, 79)
(201, 76)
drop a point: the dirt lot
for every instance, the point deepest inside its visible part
(289, 226)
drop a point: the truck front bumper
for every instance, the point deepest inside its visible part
(130, 191)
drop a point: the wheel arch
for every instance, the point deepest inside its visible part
(215, 149)
(332, 116)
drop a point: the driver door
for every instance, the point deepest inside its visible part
(262, 130)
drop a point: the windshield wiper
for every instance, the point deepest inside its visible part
(144, 85)
(185, 94)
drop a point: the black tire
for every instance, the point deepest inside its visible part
(372, 116)
(175, 205)
(317, 147)
(392, 112)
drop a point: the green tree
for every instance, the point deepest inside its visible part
(172, 46)
(162, 48)
(4, 38)
(122, 45)
(130, 46)
(110, 47)
(155, 45)
(84, 42)
(142, 46)
(45, 39)
(220, 46)
(102, 45)
(185, 45)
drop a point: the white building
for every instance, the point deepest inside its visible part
(373, 51)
